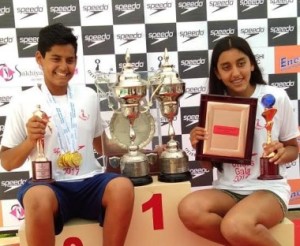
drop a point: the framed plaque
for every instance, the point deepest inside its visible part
(230, 123)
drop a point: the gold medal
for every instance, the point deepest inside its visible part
(69, 160)
(76, 159)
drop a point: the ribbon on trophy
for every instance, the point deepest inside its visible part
(69, 156)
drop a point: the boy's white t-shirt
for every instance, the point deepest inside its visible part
(89, 126)
(243, 179)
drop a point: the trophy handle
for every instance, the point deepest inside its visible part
(103, 78)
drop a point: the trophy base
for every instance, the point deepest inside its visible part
(268, 170)
(42, 171)
(174, 177)
(139, 181)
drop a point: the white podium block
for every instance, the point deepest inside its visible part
(155, 222)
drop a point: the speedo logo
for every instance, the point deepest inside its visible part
(62, 10)
(192, 119)
(136, 65)
(6, 40)
(130, 37)
(250, 32)
(198, 172)
(4, 100)
(259, 57)
(164, 121)
(220, 4)
(160, 36)
(250, 4)
(220, 33)
(29, 42)
(189, 35)
(189, 6)
(1, 130)
(12, 184)
(284, 84)
(96, 39)
(127, 8)
(158, 7)
(95, 9)
(29, 11)
(280, 3)
(286, 63)
(191, 91)
(191, 64)
(282, 30)
(4, 10)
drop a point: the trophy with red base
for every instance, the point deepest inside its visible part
(41, 166)
(268, 170)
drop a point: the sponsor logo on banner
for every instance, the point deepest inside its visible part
(189, 119)
(6, 73)
(192, 36)
(130, 37)
(282, 31)
(10, 184)
(128, 11)
(96, 13)
(287, 59)
(200, 176)
(138, 61)
(12, 214)
(287, 82)
(255, 32)
(193, 64)
(161, 36)
(6, 14)
(2, 126)
(65, 11)
(252, 9)
(191, 10)
(98, 40)
(30, 14)
(295, 192)
(8, 43)
(27, 41)
(221, 10)
(158, 11)
(28, 73)
(218, 30)
(282, 8)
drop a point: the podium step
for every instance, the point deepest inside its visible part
(154, 223)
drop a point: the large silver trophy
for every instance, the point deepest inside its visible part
(167, 89)
(131, 126)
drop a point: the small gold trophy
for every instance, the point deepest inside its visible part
(41, 166)
(268, 170)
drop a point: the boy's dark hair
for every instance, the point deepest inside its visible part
(55, 34)
(216, 86)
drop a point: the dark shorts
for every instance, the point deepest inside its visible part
(80, 199)
(237, 197)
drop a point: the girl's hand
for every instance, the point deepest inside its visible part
(197, 134)
(275, 150)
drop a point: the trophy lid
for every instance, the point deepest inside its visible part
(128, 77)
(166, 73)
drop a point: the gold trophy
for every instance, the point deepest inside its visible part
(268, 170)
(167, 88)
(41, 166)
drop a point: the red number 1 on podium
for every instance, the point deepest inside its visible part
(155, 202)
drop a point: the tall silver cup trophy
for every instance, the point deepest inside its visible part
(167, 88)
(41, 166)
(130, 90)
